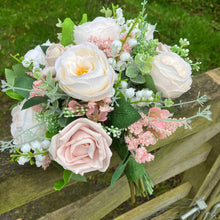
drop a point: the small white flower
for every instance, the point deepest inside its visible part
(125, 56)
(129, 93)
(119, 12)
(45, 144)
(124, 84)
(139, 94)
(121, 66)
(26, 62)
(132, 42)
(26, 148)
(147, 93)
(22, 160)
(39, 163)
(116, 45)
(40, 158)
(121, 20)
(136, 32)
(35, 145)
(112, 62)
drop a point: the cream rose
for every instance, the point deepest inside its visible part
(171, 74)
(84, 73)
(82, 147)
(22, 120)
(101, 27)
(52, 53)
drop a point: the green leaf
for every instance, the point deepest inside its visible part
(132, 71)
(34, 101)
(44, 48)
(14, 95)
(67, 175)
(149, 83)
(57, 165)
(67, 32)
(124, 115)
(84, 19)
(138, 80)
(18, 71)
(120, 169)
(61, 183)
(78, 177)
(23, 83)
(49, 135)
(140, 59)
(145, 68)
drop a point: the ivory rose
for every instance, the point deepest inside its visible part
(102, 28)
(22, 120)
(84, 73)
(171, 74)
(82, 147)
(52, 53)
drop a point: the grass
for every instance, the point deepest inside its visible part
(25, 24)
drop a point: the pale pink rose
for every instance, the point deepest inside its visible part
(82, 147)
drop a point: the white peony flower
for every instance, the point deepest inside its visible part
(171, 74)
(101, 28)
(36, 55)
(84, 73)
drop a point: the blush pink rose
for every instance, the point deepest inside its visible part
(82, 147)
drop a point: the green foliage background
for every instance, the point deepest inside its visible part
(25, 24)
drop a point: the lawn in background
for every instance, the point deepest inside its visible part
(25, 24)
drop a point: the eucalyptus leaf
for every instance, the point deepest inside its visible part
(132, 71)
(140, 59)
(138, 80)
(145, 68)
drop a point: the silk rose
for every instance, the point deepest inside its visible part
(22, 120)
(101, 28)
(84, 73)
(171, 74)
(82, 147)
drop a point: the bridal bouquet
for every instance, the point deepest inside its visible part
(107, 84)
